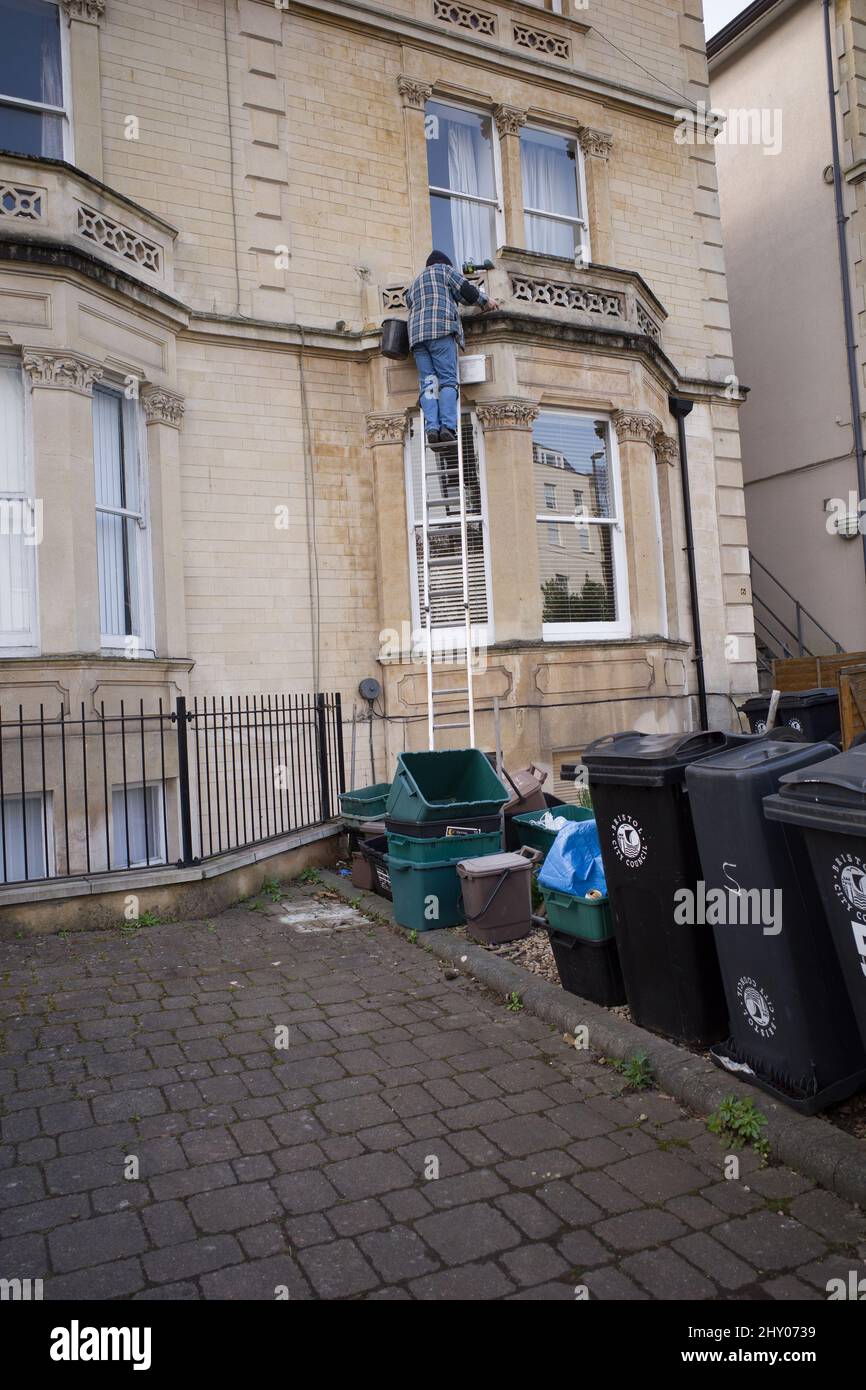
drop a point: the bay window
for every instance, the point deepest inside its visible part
(33, 114)
(580, 541)
(120, 521)
(553, 199)
(465, 206)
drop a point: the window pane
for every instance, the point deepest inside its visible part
(108, 447)
(30, 51)
(18, 531)
(18, 820)
(118, 573)
(569, 452)
(460, 157)
(549, 167)
(30, 132)
(446, 584)
(136, 827)
(117, 538)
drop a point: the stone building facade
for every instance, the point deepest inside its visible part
(206, 211)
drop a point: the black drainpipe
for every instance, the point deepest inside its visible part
(845, 274)
(680, 408)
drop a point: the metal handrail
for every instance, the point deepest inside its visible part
(801, 611)
(797, 636)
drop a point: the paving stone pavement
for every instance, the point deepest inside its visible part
(308, 1169)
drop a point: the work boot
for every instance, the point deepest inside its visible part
(433, 439)
(447, 437)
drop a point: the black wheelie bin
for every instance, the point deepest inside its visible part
(648, 846)
(793, 1031)
(812, 713)
(828, 803)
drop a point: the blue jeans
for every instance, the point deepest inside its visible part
(436, 361)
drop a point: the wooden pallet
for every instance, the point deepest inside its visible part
(852, 702)
(809, 672)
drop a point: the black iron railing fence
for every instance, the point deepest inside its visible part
(135, 789)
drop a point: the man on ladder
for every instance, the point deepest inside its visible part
(435, 332)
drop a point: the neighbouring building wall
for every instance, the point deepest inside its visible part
(789, 340)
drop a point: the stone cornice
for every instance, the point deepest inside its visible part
(596, 144)
(667, 450)
(90, 11)
(509, 119)
(512, 414)
(414, 91)
(65, 371)
(637, 427)
(385, 429)
(162, 407)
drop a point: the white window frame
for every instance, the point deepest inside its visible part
(155, 859)
(64, 111)
(46, 829)
(133, 427)
(497, 203)
(11, 643)
(621, 626)
(449, 638)
(583, 253)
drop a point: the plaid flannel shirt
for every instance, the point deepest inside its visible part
(433, 297)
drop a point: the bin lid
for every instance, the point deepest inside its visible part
(801, 699)
(488, 864)
(828, 796)
(649, 759)
(758, 752)
(755, 703)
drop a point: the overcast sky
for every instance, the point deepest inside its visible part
(717, 13)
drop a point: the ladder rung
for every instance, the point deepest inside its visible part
(451, 690)
(464, 724)
(438, 562)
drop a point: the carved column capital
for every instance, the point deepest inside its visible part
(385, 429)
(162, 407)
(413, 91)
(509, 119)
(634, 426)
(666, 447)
(90, 11)
(596, 144)
(507, 415)
(66, 371)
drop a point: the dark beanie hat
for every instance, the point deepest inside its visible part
(438, 258)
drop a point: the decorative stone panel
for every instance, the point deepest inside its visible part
(465, 17)
(636, 426)
(559, 295)
(394, 297)
(65, 371)
(112, 236)
(413, 91)
(507, 414)
(385, 429)
(647, 324)
(162, 407)
(540, 41)
(21, 202)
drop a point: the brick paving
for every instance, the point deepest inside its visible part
(309, 1169)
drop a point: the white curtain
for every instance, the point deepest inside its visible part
(470, 222)
(116, 536)
(548, 184)
(52, 95)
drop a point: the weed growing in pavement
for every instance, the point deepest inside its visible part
(637, 1071)
(739, 1122)
(413, 936)
(309, 876)
(513, 1002)
(272, 890)
(145, 919)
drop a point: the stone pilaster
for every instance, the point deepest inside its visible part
(82, 18)
(636, 432)
(509, 120)
(514, 567)
(61, 385)
(597, 146)
(386, 435)
(163, 413)
(414, 95)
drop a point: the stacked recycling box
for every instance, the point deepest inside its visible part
(578, 913)
(442, 807)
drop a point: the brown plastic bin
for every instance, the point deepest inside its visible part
(497, 896)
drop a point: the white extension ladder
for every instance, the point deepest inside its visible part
(443, 514)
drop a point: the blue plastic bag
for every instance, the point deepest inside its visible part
(573, 864)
